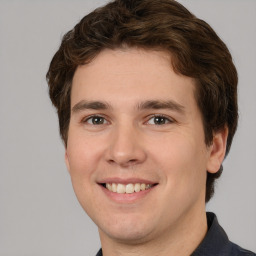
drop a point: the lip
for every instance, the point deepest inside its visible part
(126, 198)
(126, 181)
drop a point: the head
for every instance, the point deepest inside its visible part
(159, 25)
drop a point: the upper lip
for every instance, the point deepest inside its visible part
(126, 181)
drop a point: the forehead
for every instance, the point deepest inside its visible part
(131, 74)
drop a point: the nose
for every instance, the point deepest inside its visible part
(125, 146)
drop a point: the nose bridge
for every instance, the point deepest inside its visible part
(125, 147)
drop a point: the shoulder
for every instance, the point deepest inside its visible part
(216, 242)
(99, 253)
(239, 251)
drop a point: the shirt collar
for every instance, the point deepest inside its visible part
(215, 240)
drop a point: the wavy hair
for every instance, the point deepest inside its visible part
(196, 52)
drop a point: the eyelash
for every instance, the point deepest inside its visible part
(85, 120)
(166, 119)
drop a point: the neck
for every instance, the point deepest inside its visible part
(181, 240)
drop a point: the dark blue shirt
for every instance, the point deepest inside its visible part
(216, 242)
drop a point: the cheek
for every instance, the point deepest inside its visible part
(83, 155)
(183, 162)
(175, 151)
(83, 160)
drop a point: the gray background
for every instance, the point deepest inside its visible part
(39, 214)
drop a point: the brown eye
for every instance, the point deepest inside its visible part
(159, 120)
(96, 120)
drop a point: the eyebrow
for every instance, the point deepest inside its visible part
(149, 104)
(160, 104)
(95, 105)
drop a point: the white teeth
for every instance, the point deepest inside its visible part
(120, 189)
(147, 186)
(137, 187)
(114, 187)
(109, 186)
(128, 189)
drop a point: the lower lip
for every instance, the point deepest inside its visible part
(126, 197)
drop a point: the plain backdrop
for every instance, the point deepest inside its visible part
(39, 214)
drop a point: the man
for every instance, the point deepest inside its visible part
(146, 95)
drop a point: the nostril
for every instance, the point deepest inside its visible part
(124, 163)
(111, 161)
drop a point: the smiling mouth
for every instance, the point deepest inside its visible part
(127, 188)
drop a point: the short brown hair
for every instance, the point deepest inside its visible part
(195, 48)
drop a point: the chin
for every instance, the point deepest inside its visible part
(131, 232)
(128, 236)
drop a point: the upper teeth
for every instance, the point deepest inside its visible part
(129, 188)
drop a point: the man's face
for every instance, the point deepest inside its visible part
(135, 124)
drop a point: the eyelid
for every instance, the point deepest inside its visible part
(170, 120)
(85, 119)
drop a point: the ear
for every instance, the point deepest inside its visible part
(67, 160)
(217, 150)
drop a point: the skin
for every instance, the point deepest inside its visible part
(125, 140)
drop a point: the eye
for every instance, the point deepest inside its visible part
(159, 120)
(95, 120)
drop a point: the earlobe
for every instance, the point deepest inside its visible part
(217, 150)
(67, 161)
